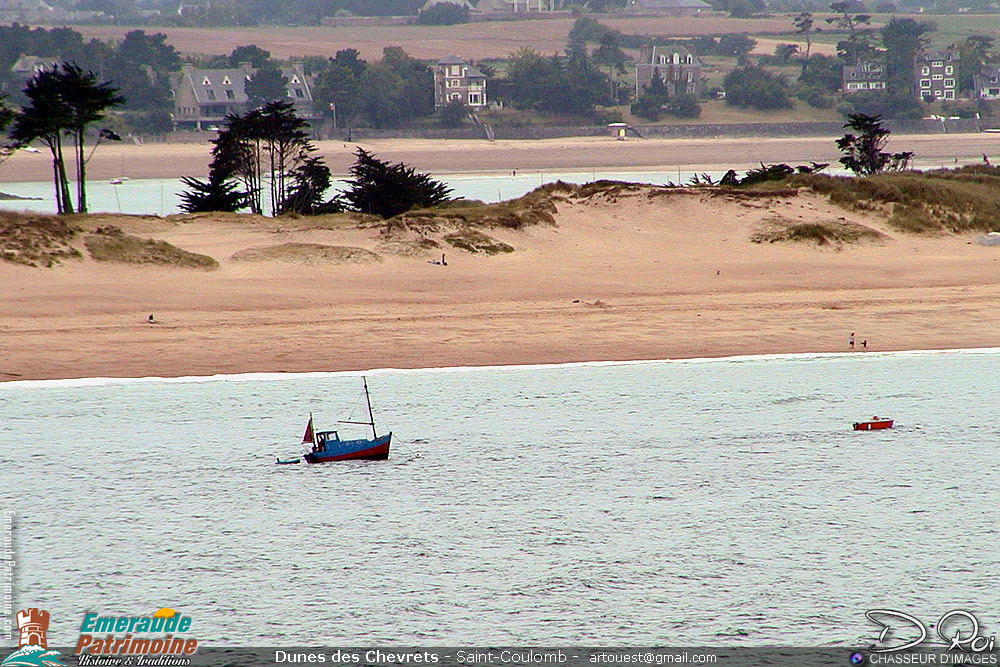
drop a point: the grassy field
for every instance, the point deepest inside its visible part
(951, 28)
(717, 111)
(470, 40)
(501, 38)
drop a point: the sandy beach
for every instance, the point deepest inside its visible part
(479, 156)
(616, 278)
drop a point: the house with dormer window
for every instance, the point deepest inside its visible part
(863, 77)
(204, 97)
(675, 66)
(457, 80)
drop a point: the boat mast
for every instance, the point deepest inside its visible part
(371, 417)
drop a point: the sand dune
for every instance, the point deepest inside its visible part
(620, 276)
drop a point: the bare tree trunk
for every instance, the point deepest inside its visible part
(81, 174)
(60, 206)
(63, 180)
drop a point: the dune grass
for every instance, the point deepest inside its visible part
(114, 246)
(473, 241)
(943, 200)
(832, 233)
(35, 240)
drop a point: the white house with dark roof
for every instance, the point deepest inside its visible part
(204, 97)
(667, 7)
(675, 66)
(27, 66)
(456, 79)
(865, 76)
(508, 7)
(461, 3)
(935, 75)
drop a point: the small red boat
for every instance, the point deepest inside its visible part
(876, 424)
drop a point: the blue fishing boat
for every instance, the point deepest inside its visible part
(327, 446)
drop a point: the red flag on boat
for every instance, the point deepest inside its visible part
(309, 436)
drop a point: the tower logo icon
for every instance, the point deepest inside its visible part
(33, 624)
(33, 644)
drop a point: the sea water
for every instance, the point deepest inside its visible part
(713, 502)
(161, 196)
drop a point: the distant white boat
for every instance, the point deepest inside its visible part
(119, 180)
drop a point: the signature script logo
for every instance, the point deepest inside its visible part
(958, 630)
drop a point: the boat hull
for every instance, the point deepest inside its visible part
(354, 450)
(873, 425)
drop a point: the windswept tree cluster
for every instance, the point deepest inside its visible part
(63, 103)
(264, 161)
(265, 151)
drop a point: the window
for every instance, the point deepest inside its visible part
(454, 83)
(295, 79)
(994, 91)
(863, 85)
(226, 81)
(937, 77)
(949, 69)
(938, 93)
(949, 83)
(205, 81)
(455, 96)
(854, 75)
(925, 70)
(937, 63)
(211, 94)
(852, 86)
(878, 85)
(456, 70)
(475, 99)
(299, 93)
(925, 83)
(229, 94)
(663, 60)
(949, 94)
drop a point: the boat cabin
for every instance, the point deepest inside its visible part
(324, 437)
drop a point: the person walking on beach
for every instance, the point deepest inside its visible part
(850, 340)
(864, 344)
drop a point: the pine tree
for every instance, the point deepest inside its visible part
(310, 181)
(385, 189)
(211, 195)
